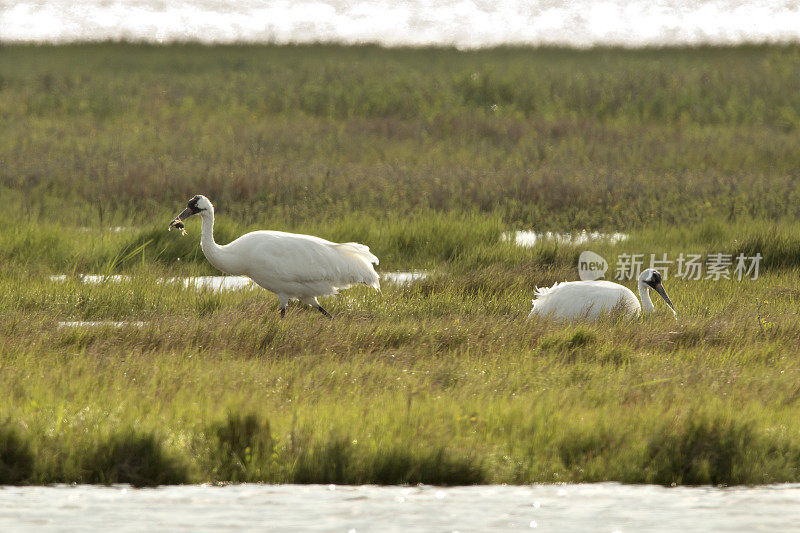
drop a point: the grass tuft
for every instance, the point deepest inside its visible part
(16, 458)
(239, 449)
(778, 249)
(134, 458)
(568, 340)
(339, 460)
(706, 450)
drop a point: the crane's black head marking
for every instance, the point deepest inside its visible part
(654, 280)
(191, 209)
(192, 206)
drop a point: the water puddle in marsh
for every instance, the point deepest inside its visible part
(111, 229)
(214, 283)
(225, 283)
(528, 238)
(91, 278)
(404, 278)
(100, 324)
(252, 507)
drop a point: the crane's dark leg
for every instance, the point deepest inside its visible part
(315, 304)
(283, 301)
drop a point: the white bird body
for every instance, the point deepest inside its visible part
(589, 299)
(584, 299)
(292, 265)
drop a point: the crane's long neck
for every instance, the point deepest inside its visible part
(644, 295)
(216, 254)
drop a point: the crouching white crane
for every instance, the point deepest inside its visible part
(575, 300)
(293, 266)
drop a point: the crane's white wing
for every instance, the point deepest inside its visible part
(274, 259)
(583, 299)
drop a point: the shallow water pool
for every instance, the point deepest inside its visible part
(227, 283)
(607, 507)
(528, 238)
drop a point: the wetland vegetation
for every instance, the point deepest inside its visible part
(428, 156)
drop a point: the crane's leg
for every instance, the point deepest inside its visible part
(284, 301)
(315, 304)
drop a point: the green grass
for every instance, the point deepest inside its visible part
(443, 381)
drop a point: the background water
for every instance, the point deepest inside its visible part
(464, 23)
(605, 507)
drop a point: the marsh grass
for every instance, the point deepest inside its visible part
(389, 393)
(132, 458)
(238, 448)
(553, 139)
(442, 381)
(16, 459)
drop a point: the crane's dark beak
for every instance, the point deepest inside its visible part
(659, 288)
(178, 222)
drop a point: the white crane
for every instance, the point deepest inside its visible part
(293, 266)
(589, 299)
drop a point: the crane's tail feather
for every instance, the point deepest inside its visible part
(367, 274)
(362, 250)
(540, 295)
(542, 292)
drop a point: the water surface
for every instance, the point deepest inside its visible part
(528, 238)
(226, 283)
(100, 324)
(461, 23)
(404, 278)
(605, 507)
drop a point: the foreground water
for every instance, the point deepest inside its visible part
(605, 507)
(227, 283)
(411, 22)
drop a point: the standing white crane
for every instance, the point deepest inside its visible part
(575, 300)
(293, 266)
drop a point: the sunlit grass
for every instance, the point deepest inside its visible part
(444, 366)
(601, 139)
